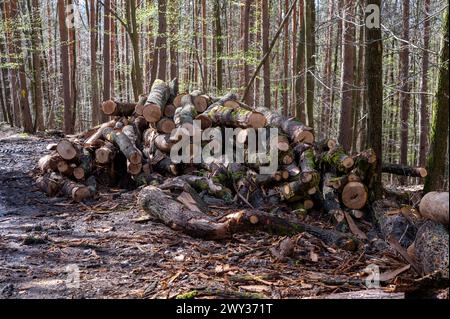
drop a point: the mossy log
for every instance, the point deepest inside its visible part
(203, 183)
(434, 206)
(220, 114)
(404, 170)
(307, 164)
(156, 100)
(297, 131)
(116, 108)
(296, 190)
(324, 145)
(124, 144)
(338, 160)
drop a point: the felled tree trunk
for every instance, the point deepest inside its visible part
(431, 248)
(125, 145)
(296, 131)
(404, 170)
(392, 223)
(157, 99)
(434, 206)
(175, 215)
(116, 108)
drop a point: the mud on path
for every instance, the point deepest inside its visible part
(47, 244)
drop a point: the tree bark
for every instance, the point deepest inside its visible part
(404, 87)
(374, 100)
(439, 126)
(310, 51)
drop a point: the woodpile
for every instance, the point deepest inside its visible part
(133, 149)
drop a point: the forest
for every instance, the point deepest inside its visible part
(358, 89)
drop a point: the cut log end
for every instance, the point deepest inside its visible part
(109, 107)
(200, 103)
(169, 110)
(78, 173)
(66, 150)
(304, 137)
(354, 195)
(135, 158)
(257, 120)
(152, 113)
(308, 204)
(348, 162)
(165, 125)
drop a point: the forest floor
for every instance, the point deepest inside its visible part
(119, 254)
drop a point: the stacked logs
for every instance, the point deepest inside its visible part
(133, 149)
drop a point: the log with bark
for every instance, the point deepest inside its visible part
(296, 131)
(124, 144)
(116, 108)
(156, 100)
(434, 206)
(404, 170)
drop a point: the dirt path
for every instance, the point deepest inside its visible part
(53, 248)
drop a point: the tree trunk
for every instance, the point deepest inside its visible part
(347, 81)
(265, 48)
(439, 126)
(218, 43)
(95, 100)
(162, 29)
(35, 41)
(310, 51)
(106, 54)
(423, 100)
(404, 87)
(374, 83)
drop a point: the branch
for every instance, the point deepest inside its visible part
(266, 55)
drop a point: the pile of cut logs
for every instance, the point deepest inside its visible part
(132, 149)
